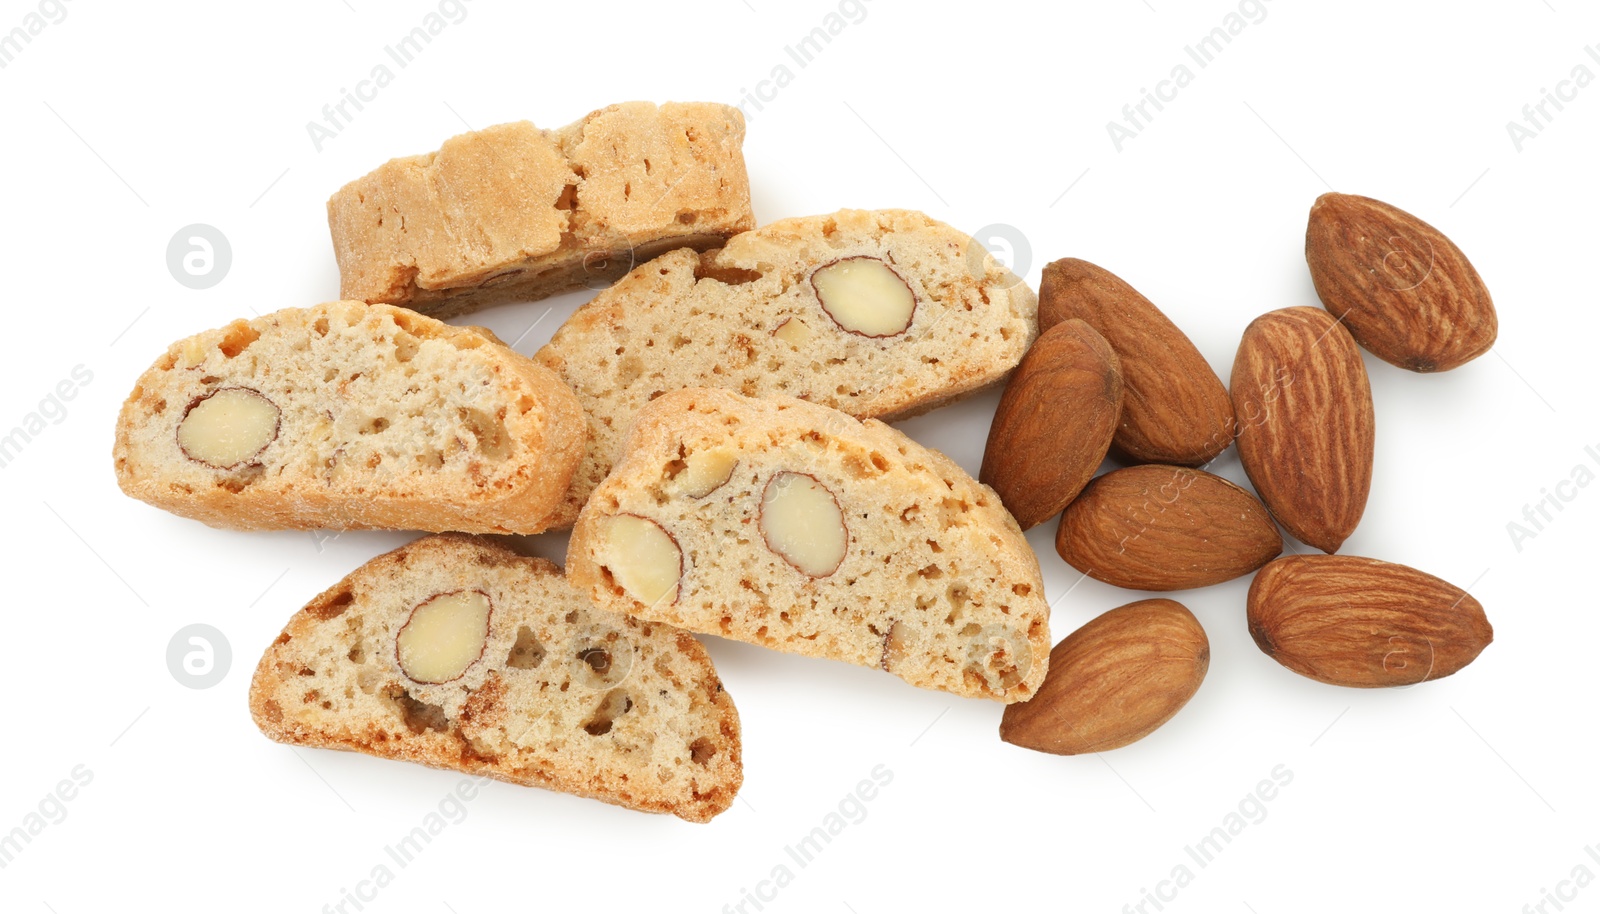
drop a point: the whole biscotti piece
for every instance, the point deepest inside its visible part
(515, 213)
(796, 527)
(456, 653)
(880, 314)
(349, 415)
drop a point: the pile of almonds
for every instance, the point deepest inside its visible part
(1110, 374)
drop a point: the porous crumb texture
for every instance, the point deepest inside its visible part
(387, 419)
(565, 695)
(937, 584)
(515, 213)
(713, 321)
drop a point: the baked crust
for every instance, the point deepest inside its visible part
(515, 213)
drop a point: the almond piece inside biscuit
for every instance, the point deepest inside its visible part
(794, 331)
(801, 521)
(642, 557)
(865, 296)
(706, 470)
(445, 635)
(228, 427)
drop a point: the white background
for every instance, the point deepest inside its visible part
(124, 122)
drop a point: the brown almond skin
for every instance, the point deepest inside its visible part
(1407, 293)
(1175, 409)
(1163, 528)
(1054, 423)
(1113, 681)
(1363, 623)
(1304, 404)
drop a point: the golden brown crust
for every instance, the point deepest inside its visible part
(391, 420)
(330, 681)
(513, 212)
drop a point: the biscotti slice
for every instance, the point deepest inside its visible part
(349, 415)
(515, 213)
(457, 653)
(880, 314)
(794, 526)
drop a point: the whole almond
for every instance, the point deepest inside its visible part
(1407, 293)
(1304, 404)
(1174, 409)
(1361, 622)
(1113, 681)
(1156, 527)
(1054, 422)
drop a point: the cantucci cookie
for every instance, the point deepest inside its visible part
(457, 653)
(514, 213)
(349, 415)
(794, 526)
(880, 314)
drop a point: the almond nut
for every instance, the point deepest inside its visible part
(1174, 407)
(1306, 424)
(642, 558)
(865, 296)
(1054, 423)
(1405, 291)
(794, 331)
(1113, 681)
(897, 643)
(228, 427)
(1360, 622)
(1166, 528)
(802, 523)
(443, 636)
(706, 470)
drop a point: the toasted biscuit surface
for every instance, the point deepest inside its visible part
(935, 582)
(749, 317)
(565, 695)
(513, 212)
(386, 419)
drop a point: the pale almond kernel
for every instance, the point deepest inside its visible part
(444, 636)
(794, 331)
(802, 523)
(865, 296)
(228, 427)
(706, 471)
(643, 558)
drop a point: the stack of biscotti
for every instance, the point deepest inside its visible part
(756, 496)
(515, 213)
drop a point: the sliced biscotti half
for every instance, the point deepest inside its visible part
(515, 213)
(350, 415)
(794, 526)
(457, 653)
(880, 314)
